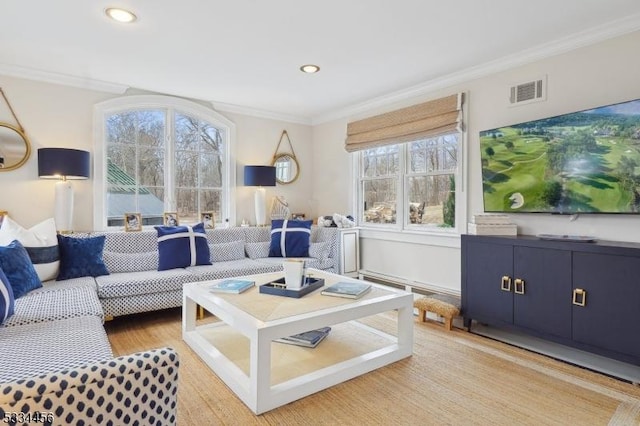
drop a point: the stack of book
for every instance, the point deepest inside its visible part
(349, 290)
(231, 285)
(308, 339)
(492, 224)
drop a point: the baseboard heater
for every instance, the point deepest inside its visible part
(409, 285)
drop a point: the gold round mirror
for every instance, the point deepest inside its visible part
(14, 147)
(287, 168)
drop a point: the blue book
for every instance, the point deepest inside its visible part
(309, 339)
(350, 290)
(231, 285)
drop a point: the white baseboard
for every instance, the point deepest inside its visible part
(408, 284)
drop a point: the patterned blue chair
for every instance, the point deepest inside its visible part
(135, 389)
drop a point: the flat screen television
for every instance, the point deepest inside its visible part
(582, 162)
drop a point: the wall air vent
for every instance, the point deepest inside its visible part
(531, 91)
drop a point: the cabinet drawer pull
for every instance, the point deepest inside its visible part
(516, 283)
(506, 283)
(579, 297)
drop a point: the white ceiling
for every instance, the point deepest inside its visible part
(245, 54)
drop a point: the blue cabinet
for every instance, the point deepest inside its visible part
(585, 295)
(610, 294)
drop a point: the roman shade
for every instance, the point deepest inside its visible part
(425, 120)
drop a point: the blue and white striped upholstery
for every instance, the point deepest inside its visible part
(7, 301)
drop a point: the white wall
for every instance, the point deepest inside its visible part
(257, 139)
(61, 116)
(583, 78)
(52, 116)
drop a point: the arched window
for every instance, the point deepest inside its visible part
(157, 154)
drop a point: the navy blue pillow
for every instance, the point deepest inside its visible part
(290, 238)
(182, 246)
(81, 257)
(7, 301)
(17, 267)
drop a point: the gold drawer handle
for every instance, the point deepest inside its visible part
(506, 283)
(579, 297)
(518, 282)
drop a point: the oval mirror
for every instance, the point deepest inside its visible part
(14, 147)
(287, 168)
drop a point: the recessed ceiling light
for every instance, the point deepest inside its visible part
(310, 68)
(120, 15)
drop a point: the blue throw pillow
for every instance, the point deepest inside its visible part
(7, 301)
(81, 257)
(17, 267)
(290, 238)
(182, 246)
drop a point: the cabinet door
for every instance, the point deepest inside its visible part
(349, 248)
(542, 301)
(486, 265)
(612, 302)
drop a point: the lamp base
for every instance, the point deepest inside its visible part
(63, 215)
(261, 211)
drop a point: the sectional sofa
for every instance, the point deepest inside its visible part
(57, 366)
(56, 357)
(135, 285)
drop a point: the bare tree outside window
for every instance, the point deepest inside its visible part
(420, 173)
(199, 159)
(380, 168)
(136, 159)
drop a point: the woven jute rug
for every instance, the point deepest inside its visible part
(453, 378)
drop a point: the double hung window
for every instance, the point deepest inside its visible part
(410, 185)
(409, 167)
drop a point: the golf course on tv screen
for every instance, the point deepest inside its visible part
(582, 162)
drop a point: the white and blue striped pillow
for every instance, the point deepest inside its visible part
(290, 238)
(41, 244)
(182, 246)
(7, 301)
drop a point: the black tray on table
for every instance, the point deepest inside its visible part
(274, 287)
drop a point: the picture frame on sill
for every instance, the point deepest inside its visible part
(170, 219)
(132, 222)
(208, 219)
(298, 216)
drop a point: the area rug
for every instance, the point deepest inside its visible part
(453, 378)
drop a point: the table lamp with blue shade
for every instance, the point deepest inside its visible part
(64, 164)
(260, 176)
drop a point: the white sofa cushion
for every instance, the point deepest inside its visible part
(258, 250)
(233, 269)
(224, 252)
(34, 349)
(46, 306)
(134, 283)
(131, 262)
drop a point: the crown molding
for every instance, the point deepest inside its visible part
(254, 112)
(62, 79)
(585, 38)
(572, 42)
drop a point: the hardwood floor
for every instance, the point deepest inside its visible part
(452, 378)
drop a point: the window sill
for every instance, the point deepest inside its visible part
(441, 239)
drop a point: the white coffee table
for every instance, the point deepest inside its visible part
(264, 374)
